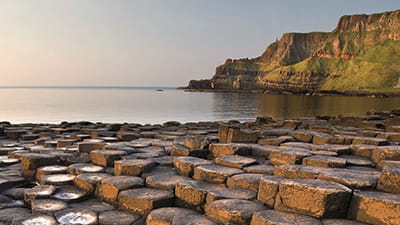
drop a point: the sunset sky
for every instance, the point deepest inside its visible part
(149, 42)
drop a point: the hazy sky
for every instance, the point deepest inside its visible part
(150, 42)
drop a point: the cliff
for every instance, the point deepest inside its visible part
(362, 54)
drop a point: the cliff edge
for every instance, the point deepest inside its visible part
(362, 54)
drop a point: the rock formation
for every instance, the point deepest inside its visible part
(322, 171)
(362, 54)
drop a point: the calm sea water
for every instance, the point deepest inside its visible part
(146, 105)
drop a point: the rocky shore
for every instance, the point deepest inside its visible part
(298, 92)
(323, 171)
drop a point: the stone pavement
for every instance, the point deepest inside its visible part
(324, 170)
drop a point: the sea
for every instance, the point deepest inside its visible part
(153, 105)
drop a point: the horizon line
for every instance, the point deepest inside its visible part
(85, 86)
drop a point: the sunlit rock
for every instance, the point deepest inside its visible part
(143, 200)
(233, 211)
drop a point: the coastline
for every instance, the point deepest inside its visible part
(204, 169)
(291, 92)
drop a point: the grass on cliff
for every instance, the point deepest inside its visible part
(247, 67)
(353, 43)
(377, 68)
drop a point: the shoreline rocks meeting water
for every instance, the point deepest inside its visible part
(323, 170)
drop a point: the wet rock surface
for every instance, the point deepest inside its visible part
(302, 171)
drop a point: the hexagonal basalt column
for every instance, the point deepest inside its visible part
(236, 161)
(185, 165)
(143, 200)
(215, 173)
(109, 188)
(389, 181)
(79, 168)
(119, 218)
(32, 161)
(87, 147)
(165, 182)
(193, 193)
(106, 157)
(222, 149)
(89, 181)
(270, 217)
(288, 155)
(374, 207)
(132, 167)
(386, 153)
(166, 215)
(317, 198)
(76, 216)
(249, 181)
(324, 161)
(233, 211)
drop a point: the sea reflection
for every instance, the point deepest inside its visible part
(239, 106)
(294, 106)
(146, 105)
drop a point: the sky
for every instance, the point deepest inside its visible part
(150, 42)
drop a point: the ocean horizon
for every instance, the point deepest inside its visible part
(148, 105)
(86, 87)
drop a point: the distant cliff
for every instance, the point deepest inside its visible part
(362, 54)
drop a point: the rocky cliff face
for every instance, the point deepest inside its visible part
(373, 22)
(292, 48)
(361, 54)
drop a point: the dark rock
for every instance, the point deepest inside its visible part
(9, 214)
(118, 218)
(93, 204)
